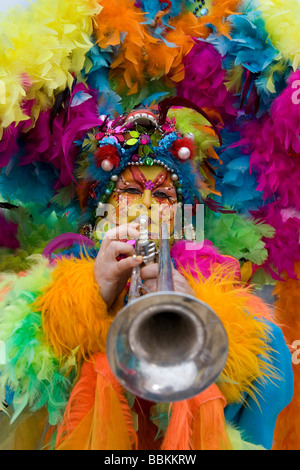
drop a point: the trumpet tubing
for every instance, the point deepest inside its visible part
(165, 346)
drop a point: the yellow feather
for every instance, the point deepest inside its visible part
(282, 22)
(233, 82)
(39, 47)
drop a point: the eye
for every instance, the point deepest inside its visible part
(161, 195)
(132, 191)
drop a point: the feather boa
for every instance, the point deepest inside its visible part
(282, 19)
(251, 62)
(34, 232)
(239, 236)
(229, 299)
(7, 233)
(203, 65)
(274, 146)
(273, 143)
(236, 184)
(50, 142)
(96, 74)
(97, 399)
(141, 55)
(32, 371)
(38, 58)
(147, 52)
(283, 249)
(203, 257)
(74, 276)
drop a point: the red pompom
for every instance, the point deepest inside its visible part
(183, 149)
(107, 154)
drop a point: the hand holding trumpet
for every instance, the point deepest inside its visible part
(112, 274)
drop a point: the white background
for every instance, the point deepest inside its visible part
(7, 4)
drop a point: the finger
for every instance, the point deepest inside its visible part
(119, 248)
(150, 271)
(123, 231)
(150, 284)
(129, 263)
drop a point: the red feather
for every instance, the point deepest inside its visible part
(184, 142)
(107, 152)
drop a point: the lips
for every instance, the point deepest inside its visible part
(142, 117)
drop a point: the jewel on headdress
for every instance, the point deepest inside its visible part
(107, 157)
(183, 149)
(135, 158)
(144, 139)
(189, 135)
(92, 190)
(148, 161)
(107, 165)
(86, 230)
(184, 153)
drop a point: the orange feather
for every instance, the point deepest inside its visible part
(287, 313)
(97, 416)
(73, 313)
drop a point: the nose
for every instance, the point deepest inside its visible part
(146, 199)
(140, 206)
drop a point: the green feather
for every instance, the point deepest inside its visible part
(35, 231)
(188, 120)
(32, 371)
(238, 236)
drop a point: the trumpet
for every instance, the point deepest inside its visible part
(164, 346)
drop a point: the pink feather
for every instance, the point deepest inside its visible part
(204, 257)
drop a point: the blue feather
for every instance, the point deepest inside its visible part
(96, 73)
(234, 181)
(251, 48)
(249, 44)
(28, 183)
(155, 97)
(79, 98)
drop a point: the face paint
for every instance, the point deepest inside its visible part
(147, 190)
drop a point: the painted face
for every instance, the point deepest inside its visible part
(145, 190)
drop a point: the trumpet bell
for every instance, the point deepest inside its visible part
(167, 347)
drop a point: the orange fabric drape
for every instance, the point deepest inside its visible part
(98, 417)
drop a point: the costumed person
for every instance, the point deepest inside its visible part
(152, 166)
(70, 218)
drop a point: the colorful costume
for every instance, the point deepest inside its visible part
(216, 81)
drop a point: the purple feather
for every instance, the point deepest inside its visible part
(52, 138)
(8, 233)
(65, 240)
(204, 81)
(274, 144)
(283, 248)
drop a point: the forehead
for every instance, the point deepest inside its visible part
(150, 172)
